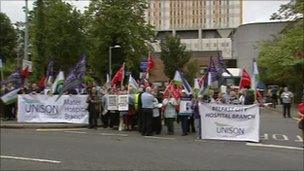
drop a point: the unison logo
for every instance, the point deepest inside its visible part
(229, 130)
(35, 106)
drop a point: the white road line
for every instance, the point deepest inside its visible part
(29, 159)
(297, 119)
(123, 135)
(77, 132)
(199, 140)
(273, 146)
(61, 129)
(163, 138)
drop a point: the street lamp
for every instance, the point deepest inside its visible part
(110, 58)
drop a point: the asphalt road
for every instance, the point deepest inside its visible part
(106, 149)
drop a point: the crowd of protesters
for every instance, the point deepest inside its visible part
(149, 110)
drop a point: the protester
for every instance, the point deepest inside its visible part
(249, 97)
(274, 97)
(105, 113)
(197, 116)
(129, 118)
(122, 114)
(139, 111)
(156, 124)
(147, 100)
(286, 100)
(93, 108)
(301, 116)
(185, 112)
(169, 105)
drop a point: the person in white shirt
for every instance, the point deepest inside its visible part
(286, 100)
(170, 104)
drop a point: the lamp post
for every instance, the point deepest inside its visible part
(110, 59)
(26, 32)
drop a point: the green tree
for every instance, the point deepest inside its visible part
(174, 55)
(57, 33)
(282, 60)
(8, 39)
(192, 69)
(118, 22)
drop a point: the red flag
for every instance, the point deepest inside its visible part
(245, 80)
(119, 76)
(25, 72)
(42, 82)
(150, 63)
(176, 91)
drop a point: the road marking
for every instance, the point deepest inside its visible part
(297, 119)
(264, 137)
(30, 159)
(275, 136)
(77, 132)
(162, 138)
(273, 146)
(61, 129)
(200, 140)
(300, 139)
(123, 135)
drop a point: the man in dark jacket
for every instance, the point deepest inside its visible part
(249, 96)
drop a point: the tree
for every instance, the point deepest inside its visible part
(57, 32)
(118, 22)
(8, 39)
(173, 55)
(281, 61)
(192, 69)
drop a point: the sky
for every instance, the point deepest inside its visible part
(253, 10)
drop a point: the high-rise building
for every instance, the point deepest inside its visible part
(194, 14)
(204, 26)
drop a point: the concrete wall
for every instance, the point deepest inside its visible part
(247, 39)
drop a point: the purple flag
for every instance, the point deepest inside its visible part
(75, 77)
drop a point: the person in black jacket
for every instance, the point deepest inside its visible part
(249, 96)
(93, 108)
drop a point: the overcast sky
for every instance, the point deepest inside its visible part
(253, 10)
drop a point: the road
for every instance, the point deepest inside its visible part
(105, 149)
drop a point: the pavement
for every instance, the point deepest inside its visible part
(281, 148)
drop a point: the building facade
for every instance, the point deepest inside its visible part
(194, 14)
(248, 38)
(204, 26)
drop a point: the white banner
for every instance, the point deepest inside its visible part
(230, 122)
(185, 106)
(44, 108)
(112, 102)
(123, 102)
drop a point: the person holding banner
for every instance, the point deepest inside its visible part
(169, 104)
(93, 108)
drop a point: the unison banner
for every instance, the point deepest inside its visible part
(230, 122)
(44, 108)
